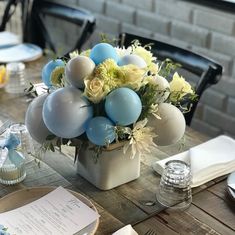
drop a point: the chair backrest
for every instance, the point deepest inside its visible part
(37, 30)
(8, 12)
(208, 71)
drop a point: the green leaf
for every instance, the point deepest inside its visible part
(50, 137)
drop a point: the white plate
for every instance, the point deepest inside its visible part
(231, 181)
(25, 196)
(23, 52)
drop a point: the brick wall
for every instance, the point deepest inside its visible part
(202, 29)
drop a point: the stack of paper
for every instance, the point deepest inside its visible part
(208, 161)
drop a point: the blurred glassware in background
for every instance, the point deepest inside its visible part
(175, 190)
(16, 78)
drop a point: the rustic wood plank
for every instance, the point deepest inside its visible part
(184, 223)
(209, 220)
(216, 207)
(157, 226)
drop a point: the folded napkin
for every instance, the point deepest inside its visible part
(127, 230)
(208, 161)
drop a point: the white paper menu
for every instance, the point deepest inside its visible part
(57, 213)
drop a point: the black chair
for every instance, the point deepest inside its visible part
(35, 28)
(8, 12)
(35, 25)
(206, 70)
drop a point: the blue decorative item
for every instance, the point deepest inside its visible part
(48, 69)
(100, 131)
(65, 112)
(10, 143)
(123, 106)
(103, 51)
(34, 122)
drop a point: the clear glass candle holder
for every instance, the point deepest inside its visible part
(26, 144)
(175, 190)
(12, 167)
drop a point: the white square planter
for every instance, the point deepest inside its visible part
(111, 169)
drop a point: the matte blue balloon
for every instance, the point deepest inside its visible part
(100, 131)
(123, 106)
(102, 51)
(48, 68)
(66, 112)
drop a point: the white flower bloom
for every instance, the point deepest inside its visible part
(141, 139)
(122, 51)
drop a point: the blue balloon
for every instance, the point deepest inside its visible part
(123, 106)
(102, 51)
(100, 131)
(66, 112)
(48, 68)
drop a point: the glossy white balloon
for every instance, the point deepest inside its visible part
(132, 59)
(66, 112)
(34, 122)
(171, 127)
(77, 69)
(163, 88)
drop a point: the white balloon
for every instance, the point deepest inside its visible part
(77, 69)
(163, 88)
(171, 127)
(132, 59)
(34, 122)
(66, 112)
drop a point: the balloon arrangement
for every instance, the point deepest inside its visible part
(109, 94)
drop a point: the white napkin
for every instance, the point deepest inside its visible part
(127, 230)
(209, 160)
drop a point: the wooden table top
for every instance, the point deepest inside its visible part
(212, 210)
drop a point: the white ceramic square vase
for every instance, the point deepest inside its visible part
(111, 169)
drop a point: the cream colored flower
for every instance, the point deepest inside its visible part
(141, 139)
(145, 54)
(132, 76)
(57, 77)
(94, 89)
(122, 51)
(179, 87)
(73, 54)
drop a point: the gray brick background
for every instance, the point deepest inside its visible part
(208, 31)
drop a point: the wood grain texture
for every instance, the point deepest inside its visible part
(212, 210)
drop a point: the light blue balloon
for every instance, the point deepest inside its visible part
(47, 70)
(102, 51)
(66, 112)
(123, 106)
(100, 131)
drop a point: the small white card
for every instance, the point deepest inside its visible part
(57, 213)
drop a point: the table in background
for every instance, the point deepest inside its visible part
(211, 212)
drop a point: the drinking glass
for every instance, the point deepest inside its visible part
(26, 143)
(175, 190)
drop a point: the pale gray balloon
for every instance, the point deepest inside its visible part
(77, 69)
(132, 59)
(66, 112)
(171, 127)
(34, 122)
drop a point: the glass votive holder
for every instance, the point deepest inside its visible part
(12, 167)
(16, 78)
(26, 143)
(174, 189)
